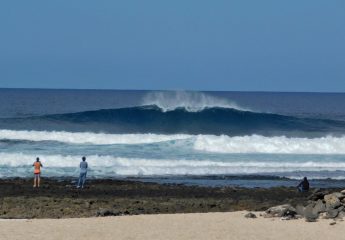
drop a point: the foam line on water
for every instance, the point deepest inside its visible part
(110, 166)
(89, 138)
(270, 145)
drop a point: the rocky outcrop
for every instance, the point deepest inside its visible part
(322, 204)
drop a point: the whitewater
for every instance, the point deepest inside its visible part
(207, 143)
(118, 155)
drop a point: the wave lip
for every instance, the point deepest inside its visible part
(190, 101)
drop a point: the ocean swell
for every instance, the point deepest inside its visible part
(152, 119)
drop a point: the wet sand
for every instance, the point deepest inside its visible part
(198, 226)
(60, 199)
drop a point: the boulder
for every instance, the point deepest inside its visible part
(281, 211)
(300, 210)
(317, 194)
(319, 207)
(309, 214)
(332, 213)
(339, 195)
(341, 215)
(341, 208)
(250, 215)
(343, 191)
(332, 201)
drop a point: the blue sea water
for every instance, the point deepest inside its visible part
(205, 138)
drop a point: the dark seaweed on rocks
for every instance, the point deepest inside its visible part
(60, 198)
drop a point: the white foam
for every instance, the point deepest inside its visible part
(191, 101)
(88, 138)
(12, 165)
(208, 143)
(272, 145)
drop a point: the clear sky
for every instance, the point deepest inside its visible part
(252, 45)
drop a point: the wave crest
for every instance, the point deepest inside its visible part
(190, 101)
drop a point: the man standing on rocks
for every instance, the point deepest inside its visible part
(83, 171)
(304, 185)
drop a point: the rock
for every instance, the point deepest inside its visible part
(309, 214)
(332, 213)
(332, 223)
(332, 201)
(343, 191)
(250, 215)
(300, 210)
(317, 194)
(281, 211)
(106, 213)
(341, 208)
(341, 215)
(339, 195)
(319, 207)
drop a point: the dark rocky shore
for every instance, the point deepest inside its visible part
(60, 199)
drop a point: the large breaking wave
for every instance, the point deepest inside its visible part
(152, 119)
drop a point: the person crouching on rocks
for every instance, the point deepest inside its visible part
(37, 172)
(304, 185)
(83, 171)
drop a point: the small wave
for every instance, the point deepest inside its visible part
(110, 166)
(223, 144)
(270, 145)
(88, 138)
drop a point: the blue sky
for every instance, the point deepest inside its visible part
(250, 45)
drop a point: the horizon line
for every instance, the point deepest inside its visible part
(164, 90)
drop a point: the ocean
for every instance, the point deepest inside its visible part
(250, 139)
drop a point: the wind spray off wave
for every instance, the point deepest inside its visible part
(190, 101)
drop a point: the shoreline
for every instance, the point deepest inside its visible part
(60, 198)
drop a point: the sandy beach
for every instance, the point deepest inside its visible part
(171, 226)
